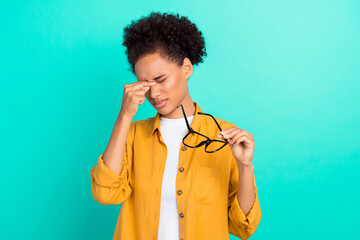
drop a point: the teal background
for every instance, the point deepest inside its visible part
(286, 71)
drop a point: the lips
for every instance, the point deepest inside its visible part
(160, 104)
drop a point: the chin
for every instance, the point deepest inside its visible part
(167, 109)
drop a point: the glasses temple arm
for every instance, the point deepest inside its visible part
(212, 117)
(187, 123)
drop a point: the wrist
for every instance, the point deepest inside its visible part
(242, 167)
(124, 116)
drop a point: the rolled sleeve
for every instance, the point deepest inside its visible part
(109, 187)
(241, 225)
(105, 177)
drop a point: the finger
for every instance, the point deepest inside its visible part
(144, 83)
(251, 135)
(225, 133)
(140, 99)
(238, 140)
(226, 137)
(220, 134)
(145, 90)
(140, 96)
(236, 136)
(139, 85)
(228, 129)
(141, 91)
(245, 139)
(230, 133)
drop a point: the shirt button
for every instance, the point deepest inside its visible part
(181, 169)
(184, 148)
(179, 192)
(181, 215)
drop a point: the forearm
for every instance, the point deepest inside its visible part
(114, 152)
(246, 191)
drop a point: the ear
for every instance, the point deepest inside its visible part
(187, 68)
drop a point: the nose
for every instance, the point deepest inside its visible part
(155, 91)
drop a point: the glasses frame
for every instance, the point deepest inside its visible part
(208, 141)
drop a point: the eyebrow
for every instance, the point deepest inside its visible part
(158, 77)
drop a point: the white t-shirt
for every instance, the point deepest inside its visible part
(172, 131)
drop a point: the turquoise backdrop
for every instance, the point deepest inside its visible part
(286, 71)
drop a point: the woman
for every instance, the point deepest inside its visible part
(174, 178)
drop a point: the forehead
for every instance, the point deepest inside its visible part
(152, 65)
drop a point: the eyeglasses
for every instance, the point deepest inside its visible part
(211, 145)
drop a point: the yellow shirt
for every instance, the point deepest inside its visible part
(207, 203)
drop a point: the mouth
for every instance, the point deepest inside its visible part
(161, 103)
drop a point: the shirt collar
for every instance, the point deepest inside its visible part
(155, 121)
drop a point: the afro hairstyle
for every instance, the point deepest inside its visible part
(173, 37)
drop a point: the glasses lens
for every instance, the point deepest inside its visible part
(193, 139)
(214, 145)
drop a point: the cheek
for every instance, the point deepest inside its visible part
(173, 86)
(166, 87)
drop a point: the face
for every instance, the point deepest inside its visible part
(171, 83)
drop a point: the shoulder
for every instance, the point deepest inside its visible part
(224, 124)
(142, 125)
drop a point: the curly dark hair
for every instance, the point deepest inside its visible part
(174, 38)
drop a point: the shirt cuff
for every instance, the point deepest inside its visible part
(105, 177)
(253, 217)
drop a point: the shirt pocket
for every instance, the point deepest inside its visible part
(207, 185)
